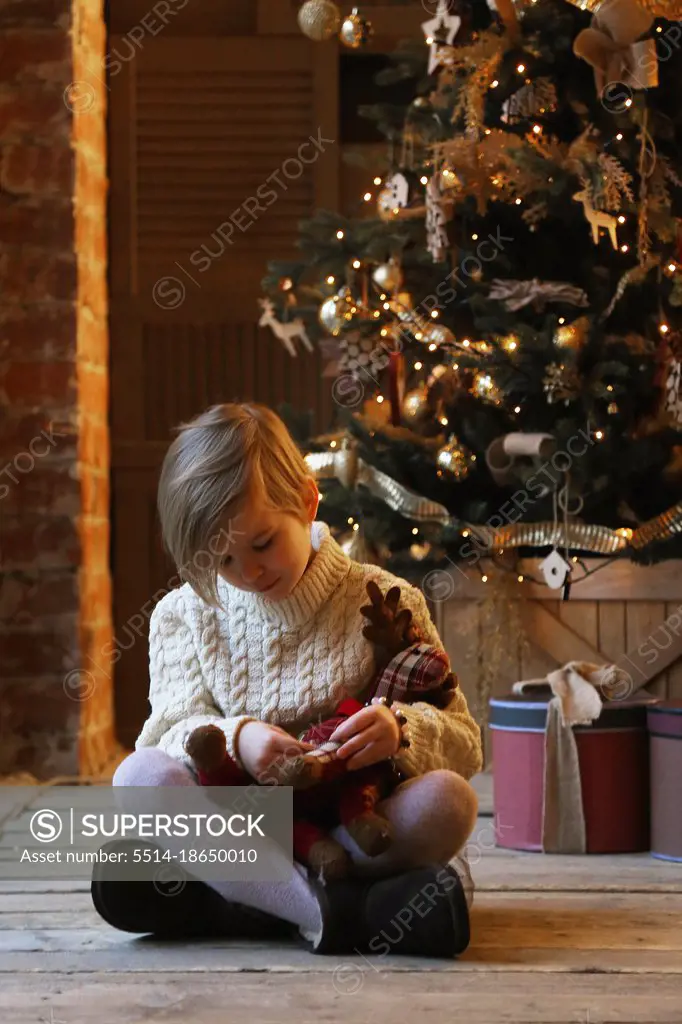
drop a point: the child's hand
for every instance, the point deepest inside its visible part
(261, 747)
(369, 736)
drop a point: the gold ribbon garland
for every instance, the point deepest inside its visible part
(346, 466)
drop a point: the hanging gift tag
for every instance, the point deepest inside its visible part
(555, 569)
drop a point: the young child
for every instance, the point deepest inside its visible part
(264, 638)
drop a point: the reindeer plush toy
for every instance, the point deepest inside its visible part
(326, 792)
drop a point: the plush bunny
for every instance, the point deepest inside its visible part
(326, 792)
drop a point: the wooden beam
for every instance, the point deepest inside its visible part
(556, 638)
(617, 581)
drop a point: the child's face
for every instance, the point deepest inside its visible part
(268, 552)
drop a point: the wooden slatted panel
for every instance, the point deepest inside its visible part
(208, 141)
(188, 367)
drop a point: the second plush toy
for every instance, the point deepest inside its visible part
(326, 792)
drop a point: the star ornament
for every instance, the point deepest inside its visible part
(440, 31)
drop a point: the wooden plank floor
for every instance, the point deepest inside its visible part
(566, 940)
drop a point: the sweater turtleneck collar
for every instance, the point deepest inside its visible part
(322, 576)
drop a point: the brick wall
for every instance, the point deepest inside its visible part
(55, 619)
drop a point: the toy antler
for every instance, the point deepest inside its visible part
(390, 630)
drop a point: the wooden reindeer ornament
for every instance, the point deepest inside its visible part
(284, 331)
(597, 218)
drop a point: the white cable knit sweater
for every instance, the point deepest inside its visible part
(288, 662)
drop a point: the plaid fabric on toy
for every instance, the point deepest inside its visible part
(419, 673)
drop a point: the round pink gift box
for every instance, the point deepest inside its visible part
(665, 732)
(613, 754)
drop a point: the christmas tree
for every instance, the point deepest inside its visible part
(505, 307)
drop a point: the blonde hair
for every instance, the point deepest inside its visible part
(213, 463)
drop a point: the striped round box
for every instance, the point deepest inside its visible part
(613, 755)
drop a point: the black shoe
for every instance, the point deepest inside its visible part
(421, 912)
(181, 908)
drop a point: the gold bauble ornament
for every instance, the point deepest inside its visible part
(319, 19)
(455, 459)
(572, 336)
(388, 276)
(387, 208)
(356, 31)
(449, 179)
(415, 407)
(612, 409)
(403, 306)
(336, 311)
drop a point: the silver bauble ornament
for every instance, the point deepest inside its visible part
(388, 276)
(319, 19)
(484, 387)
(437, 334)
(355, 30)
(455, 459)
(334, 311)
